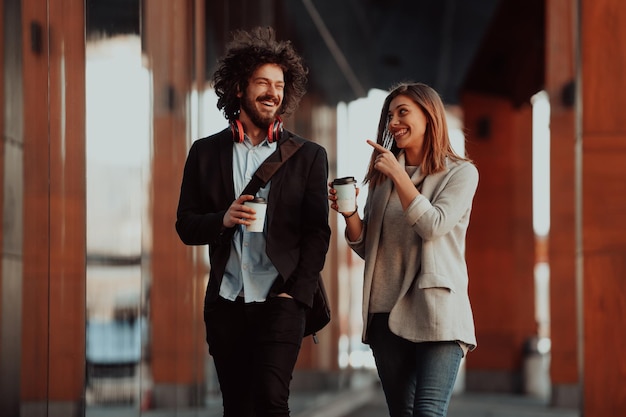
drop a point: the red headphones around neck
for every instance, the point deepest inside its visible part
(273, 132)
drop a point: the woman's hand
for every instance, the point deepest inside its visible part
(385, 161)
(332, 196)
(387, 164)
(354, 225)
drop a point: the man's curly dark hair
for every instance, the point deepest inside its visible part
(247, 51)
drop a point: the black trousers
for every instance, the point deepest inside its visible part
(255, 347)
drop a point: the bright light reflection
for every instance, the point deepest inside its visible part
(118, 102)
(362, 359)
(207, 119)
(541, 163)
(118, 145)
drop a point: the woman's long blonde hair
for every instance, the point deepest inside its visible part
(437, 146)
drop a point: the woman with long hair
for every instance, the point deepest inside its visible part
(416, 310)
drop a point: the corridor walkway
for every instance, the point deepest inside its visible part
(364, 398)
(369, 402)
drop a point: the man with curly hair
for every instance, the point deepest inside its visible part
(260, 284)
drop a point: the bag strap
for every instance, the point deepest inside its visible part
(286, 149)
(272, 163)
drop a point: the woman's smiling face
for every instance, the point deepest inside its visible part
(407, 124)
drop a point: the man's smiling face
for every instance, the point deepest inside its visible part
(264, 95)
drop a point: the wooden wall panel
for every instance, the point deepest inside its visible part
(560, 74)
(562, 252)
(53, 325)
(2, 139)
(604, 247)
(36, 215)
(603, 44)
(67, 201)
(604, 193)
(178, 349)
(500, 246)
(318, 123)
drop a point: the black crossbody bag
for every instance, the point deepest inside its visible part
(318, 316)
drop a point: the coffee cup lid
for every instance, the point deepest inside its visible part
(344, 180)
(258, 200)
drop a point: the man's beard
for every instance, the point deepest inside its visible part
(258, 119)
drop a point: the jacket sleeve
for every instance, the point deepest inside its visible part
(432, 219)
(196, 222)
(315, 231)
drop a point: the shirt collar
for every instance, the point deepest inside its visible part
(248, 142)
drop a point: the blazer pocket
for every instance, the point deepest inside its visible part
(434, 281)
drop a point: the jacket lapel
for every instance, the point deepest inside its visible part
(432, 183)
(225, 148)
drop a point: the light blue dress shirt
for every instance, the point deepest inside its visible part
(249, 272)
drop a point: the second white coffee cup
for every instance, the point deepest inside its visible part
(260, 206)
(346, 194)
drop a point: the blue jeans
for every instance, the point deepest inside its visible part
(417, 378)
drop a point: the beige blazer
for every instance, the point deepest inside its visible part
(433, 304)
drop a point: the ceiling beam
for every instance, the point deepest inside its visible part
(335, 50)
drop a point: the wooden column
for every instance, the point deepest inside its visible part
(53, 305)
(603, 202)
(67, 191)
(560, 76)
(2, 100)
(318, 123)
(35, 358)
(500, 244)
(178, 349)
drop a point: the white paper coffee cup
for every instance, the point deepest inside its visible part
(346, 194)
(260, 206)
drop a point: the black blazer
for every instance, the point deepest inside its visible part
(297, 212)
